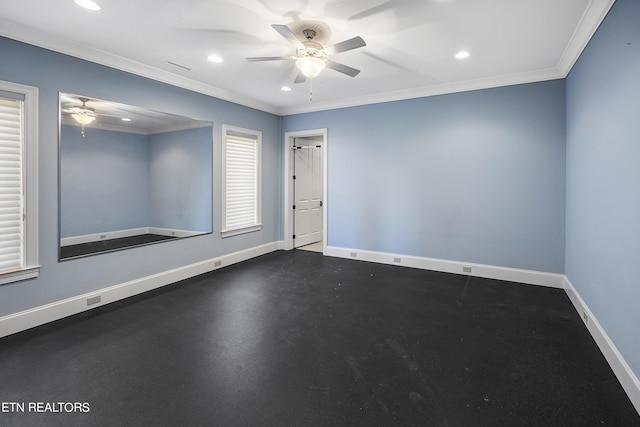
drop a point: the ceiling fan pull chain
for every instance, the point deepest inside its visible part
(310, 90)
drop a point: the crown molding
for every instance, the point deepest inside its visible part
(63, 45)
(593, 16)
(589, 23)
(442, 89)
(591, 19)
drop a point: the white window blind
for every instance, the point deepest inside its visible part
(11, 185)
(242, 184)
(18, 182)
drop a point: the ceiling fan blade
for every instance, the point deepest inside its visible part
(266, 58)
(396, 64)
(404, 14)
(344, 69)
(288, 34)
(300, 77)
(384, 7)
(350, 44)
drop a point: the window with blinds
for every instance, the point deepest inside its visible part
(241, 181)
(18, 182)
(11, 208)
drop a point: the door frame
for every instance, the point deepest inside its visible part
(289, 138)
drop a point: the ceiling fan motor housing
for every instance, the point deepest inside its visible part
(319, 31)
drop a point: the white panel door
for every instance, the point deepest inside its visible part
(308, 195)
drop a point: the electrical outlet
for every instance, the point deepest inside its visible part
(466, 269)
(103, 236)
(397, 260)
(94, 300)
(217, 263)
(585, 317)
(354, 254)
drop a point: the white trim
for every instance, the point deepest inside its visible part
(174, 232)
(426, 91)
(237, 231)
(529, 277)
(593, 16)
(96, 237)
(590, 21)
(620, 368)
(37, 316)
(288, 183)
(16, 276)
(80, 50)
(194, 124)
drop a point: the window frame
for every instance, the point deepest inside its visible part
(31, 266)
(228, 130)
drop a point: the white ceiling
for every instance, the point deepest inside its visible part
(409, 53)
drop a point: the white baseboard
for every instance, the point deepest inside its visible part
(37, 316)
(529, 277)
(173, 232)
(623, 372)
(96, 237)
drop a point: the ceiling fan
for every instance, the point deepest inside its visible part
(84, 114)
(311, 57)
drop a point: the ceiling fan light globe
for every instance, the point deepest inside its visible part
(310, 66)
(83, 119)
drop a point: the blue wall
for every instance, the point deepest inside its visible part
(114, 181)
(180, 180)
(603, 177)
(60, 280)
(105, 183)
(476, 176)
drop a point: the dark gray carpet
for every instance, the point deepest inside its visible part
(110, 245)
(298, 339)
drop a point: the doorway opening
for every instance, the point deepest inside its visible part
(305, 162)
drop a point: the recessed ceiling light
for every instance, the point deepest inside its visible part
(285, 89)
(215, 58)
(88, 4)
(462, 54)
(126, 119)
